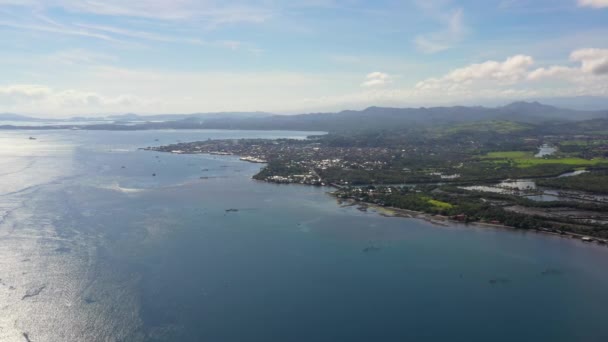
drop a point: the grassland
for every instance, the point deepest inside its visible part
(579, 142)
(440, 205)
(525, 159)
(529, 162)
(502, 127)
(594, 182)
(509, 155)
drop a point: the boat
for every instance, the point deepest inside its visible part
(370, 249)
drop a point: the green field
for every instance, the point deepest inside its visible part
(528, 162)
(509, 155)
(439, 204)
(583, 142)
(502, 127)
(523, 159)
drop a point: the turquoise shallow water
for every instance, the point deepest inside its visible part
(94, 248)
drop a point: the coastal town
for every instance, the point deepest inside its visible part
(290, 160)
(522, 180)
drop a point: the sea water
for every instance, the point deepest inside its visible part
(102, 241)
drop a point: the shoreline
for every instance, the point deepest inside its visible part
(437, 220)
(446, 222)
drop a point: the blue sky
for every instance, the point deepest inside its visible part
(90, 57)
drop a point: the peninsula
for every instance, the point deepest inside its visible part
(548, 176)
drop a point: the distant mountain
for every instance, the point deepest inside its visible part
(388, 118)
(577, 102)
(535, 111)
(130, 117)
(125, 117)
(16, 117)
(372, 118)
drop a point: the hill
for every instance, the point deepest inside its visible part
(369, 119)
(374, 118)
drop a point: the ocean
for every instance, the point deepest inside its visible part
(102, 241)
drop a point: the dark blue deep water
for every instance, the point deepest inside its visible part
(95, 248)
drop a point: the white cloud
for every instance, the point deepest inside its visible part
(593, 3)
(442, 40)
(32, 97)
(181, 21)
(514, 78)
(552, 72)
(79, 57)
(214, 13)
(593, 61)
(59, 29)
(376, 79)
(23, 92)
(157, 9)
(104, 89)
(140, 34)
(511, 70)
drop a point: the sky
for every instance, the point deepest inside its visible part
(61, 58)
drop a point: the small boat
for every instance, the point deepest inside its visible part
(32, 138)
(370, 249)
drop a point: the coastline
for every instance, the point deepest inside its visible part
(437, 220)
(445, 221)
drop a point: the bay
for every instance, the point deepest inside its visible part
(101, 241)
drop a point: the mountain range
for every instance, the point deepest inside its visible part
(387, 118)
(369, 118)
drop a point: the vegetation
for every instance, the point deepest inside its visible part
(475, 206)
(372, 165)
(594, 182)
(275, 168)
(525, 159)
(440, 204)
(501, 127)
(508, 155)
